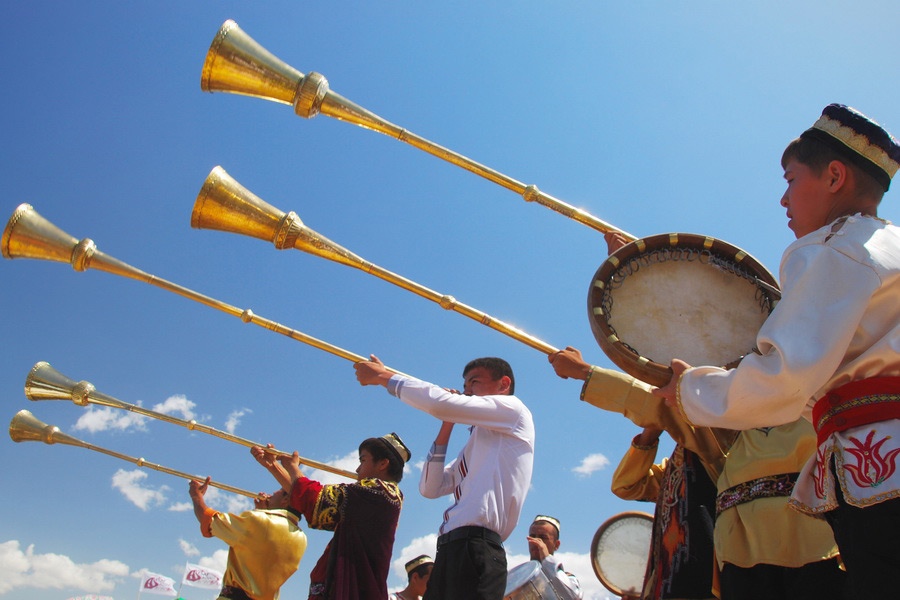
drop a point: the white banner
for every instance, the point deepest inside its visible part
(201, 577)
(152, 583)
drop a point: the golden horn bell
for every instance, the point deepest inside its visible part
(225, 205)
(25, 427)
(237, 64)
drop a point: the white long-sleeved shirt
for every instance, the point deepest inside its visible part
(838, 321)
(490, 477)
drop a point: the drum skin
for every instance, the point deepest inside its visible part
(678, 295)
(619, 552)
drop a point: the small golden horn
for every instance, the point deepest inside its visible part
(46, 383)
(25, 427)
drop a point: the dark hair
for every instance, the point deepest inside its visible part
(817, 155)
(497, 368)
(380, 450)
(420, 570)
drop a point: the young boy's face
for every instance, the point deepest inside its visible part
(806, 198)
(368, 467)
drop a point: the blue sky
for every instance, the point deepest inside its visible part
(654, 116)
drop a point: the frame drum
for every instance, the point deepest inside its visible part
(528, 582)
(620, 550)
(678, 295)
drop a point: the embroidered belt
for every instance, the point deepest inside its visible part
(770, 486)
(233, 593)
(857, 403)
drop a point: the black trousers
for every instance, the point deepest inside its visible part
(470, 564)
(822, 580)
(869, 541)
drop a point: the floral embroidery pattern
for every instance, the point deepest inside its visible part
(819, 477)
(871, 468)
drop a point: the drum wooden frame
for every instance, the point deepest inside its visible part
(678, 295)
(609, 526)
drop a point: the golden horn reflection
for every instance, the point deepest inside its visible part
(237, 64)
(29, 235)
(46, 383)
(25, 427)
(225, 205)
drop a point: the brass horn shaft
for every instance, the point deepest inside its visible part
(237, 64)
(225, 205)
(46, 383)
(29, 235)
(25, 427)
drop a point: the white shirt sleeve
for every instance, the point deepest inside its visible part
(565, 584)
(497, 413)
(437, 480)
(802, 344)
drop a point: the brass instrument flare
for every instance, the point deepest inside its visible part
(238, 64)
(225, 205)
(29, 235)
(46, 383)
(25, 427)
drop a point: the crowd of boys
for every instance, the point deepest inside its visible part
(807, 427)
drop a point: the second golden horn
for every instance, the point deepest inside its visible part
(236, 63)
(25, 427)
(29, 235)
(46, 383)
(225, 205)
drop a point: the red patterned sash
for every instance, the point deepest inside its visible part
(855, 404)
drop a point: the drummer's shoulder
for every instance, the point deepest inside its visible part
(867, 240)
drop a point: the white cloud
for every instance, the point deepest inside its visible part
(129, 483)
(106, 418)
(217, 561)
(348, 462)
(234, 419)
(181, 507)
(26, 569)
(177, 404)
(591, 463)
(427, 544)
(188, 548)
(226, 501)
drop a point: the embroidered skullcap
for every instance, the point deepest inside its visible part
(422, 559)
(553, 521)
(859, 138)
(397, 446)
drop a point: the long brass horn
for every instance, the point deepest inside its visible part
(25, 427)
(46, 383)
(225, 205)
(236, 63)
(29, 235)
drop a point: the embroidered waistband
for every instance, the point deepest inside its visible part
(857, 403)
(770, 486)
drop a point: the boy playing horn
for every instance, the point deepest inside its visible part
(363, 516)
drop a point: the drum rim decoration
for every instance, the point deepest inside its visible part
(619, 352)
(596, 541)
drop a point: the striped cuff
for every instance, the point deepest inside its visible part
(587, 380)
(394, 385)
